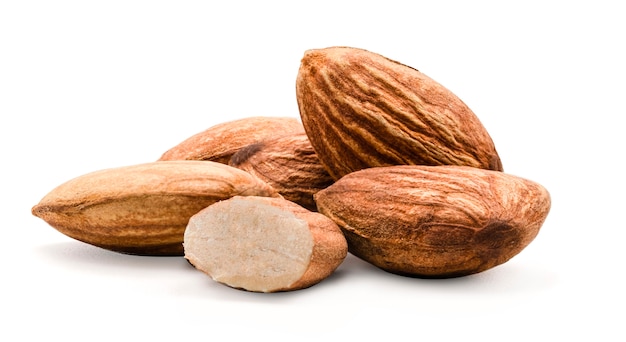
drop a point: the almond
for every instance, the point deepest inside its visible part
(218, 143)
(363, 110)
(435, 221)
(287, 163)
(142, 209)
(264, 244)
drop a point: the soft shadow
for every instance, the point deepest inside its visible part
(508, 278)
(77, 255)
(350, 269)
(91, 260)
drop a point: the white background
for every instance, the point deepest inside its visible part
(89, 85)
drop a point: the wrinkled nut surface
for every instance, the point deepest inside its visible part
(264, 244)
(287, 163)
(435, 221)
(218, 143)
(363, 110)
(142, 209)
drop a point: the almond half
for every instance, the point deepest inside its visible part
(264, 244)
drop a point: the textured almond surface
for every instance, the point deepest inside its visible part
(435, 221)
(142, 209)
(363, 110)
(287, 163)
(218, 143)
(264, 244)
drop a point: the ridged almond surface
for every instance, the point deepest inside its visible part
(287, 163)
(142, 209)
(435, 221)
(218, 143)
(363, 110)
(264, 244)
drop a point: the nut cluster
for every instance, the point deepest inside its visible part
(386, 164)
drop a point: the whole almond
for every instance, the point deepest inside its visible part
(264, 244)
(218, 143)
(287, 163)
(363, 110)
(142, 209)
(435, 221)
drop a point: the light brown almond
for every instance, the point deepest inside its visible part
(218, 143)
(264, 244)
(287, 163)
(363, 110)
(435, 221)
(142, 209)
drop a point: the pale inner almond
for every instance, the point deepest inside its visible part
(249, 245)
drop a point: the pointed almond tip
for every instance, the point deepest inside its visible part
(37, 210)
(312, 56)
(43, 208)
(322, 54)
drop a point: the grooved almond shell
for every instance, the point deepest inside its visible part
(435, 221)
(363, 110)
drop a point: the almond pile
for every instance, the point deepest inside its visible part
(386, 164)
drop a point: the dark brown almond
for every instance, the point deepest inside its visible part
(363, 110)
(435, 221)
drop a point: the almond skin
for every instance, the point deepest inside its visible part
(263, 244)
(142, 209)
(218, 143)
(435, 221)
(363, 110)
(287, 163)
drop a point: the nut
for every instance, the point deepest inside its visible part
(287, 163)
(142, 209)
(264, 244)
(363, 110)
(218, 143)
(435, 221)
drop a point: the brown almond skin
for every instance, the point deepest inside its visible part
(218, 143)
(435, 221)
(287, 163)
(362, 110)
(142, 209)
(329, 246)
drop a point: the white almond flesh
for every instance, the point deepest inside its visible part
(261, 246)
